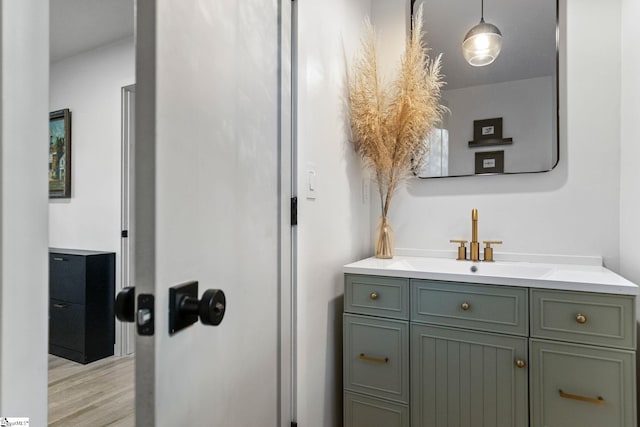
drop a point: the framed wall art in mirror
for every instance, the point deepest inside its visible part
(60, 154)
(520, 87)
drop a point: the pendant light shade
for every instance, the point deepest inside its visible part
(482, 44)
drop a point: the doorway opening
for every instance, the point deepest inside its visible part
(92, 71)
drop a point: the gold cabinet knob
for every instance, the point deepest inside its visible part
(521, 363)
(374, 295)
(581, 318)
(465, 306)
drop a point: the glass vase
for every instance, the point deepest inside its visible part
(384, 239)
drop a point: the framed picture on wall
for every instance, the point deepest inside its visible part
(488, 132)
(60, 154)
(490, 162)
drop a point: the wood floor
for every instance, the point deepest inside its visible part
(98, 394)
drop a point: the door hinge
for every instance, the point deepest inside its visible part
(124, 233)
(294, 211)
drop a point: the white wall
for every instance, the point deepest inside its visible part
(629, 140)
(573, 209)
(333, 229)
(526, 108)
(24, 293)
(89, 85)
(386, 16)
(630, 152)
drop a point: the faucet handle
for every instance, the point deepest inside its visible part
(462, 249)
(488, 250)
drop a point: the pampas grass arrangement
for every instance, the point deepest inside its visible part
(390, 123)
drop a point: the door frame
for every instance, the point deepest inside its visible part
(288, 235)
(127, 330)
(24, 204)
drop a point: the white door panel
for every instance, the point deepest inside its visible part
(208, 190)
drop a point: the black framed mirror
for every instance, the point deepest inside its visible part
(503, 116)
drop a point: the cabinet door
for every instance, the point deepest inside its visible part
(465, 378)
(581, 386)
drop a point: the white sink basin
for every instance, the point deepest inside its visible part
(493, 269)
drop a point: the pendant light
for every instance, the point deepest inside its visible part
(482, 44)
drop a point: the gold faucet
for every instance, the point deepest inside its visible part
(475, 244)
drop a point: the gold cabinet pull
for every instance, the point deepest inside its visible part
(465, 306)
(373, 359)
(374, 295)
(581, 318)
(596, 400)
(521, 363)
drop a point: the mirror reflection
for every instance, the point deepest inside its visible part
(503, 115)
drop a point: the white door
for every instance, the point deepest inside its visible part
(210, 198)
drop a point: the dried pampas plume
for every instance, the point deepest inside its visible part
(390, 123)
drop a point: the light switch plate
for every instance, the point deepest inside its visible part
(311, 184)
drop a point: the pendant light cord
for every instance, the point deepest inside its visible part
(482, 10)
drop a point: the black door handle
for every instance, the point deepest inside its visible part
(185, 308)
(126, 304)
(210, 308)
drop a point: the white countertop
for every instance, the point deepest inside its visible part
(572, 277)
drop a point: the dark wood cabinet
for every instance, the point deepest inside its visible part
(81, 300)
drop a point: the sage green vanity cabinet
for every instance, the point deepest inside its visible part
(431, 353)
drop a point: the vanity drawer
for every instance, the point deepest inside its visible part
(376, 357)
(481, 307)
(583, 317)
(575, 385)
(364, 411)
(378, 296)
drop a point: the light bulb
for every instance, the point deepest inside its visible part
(482, 44)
